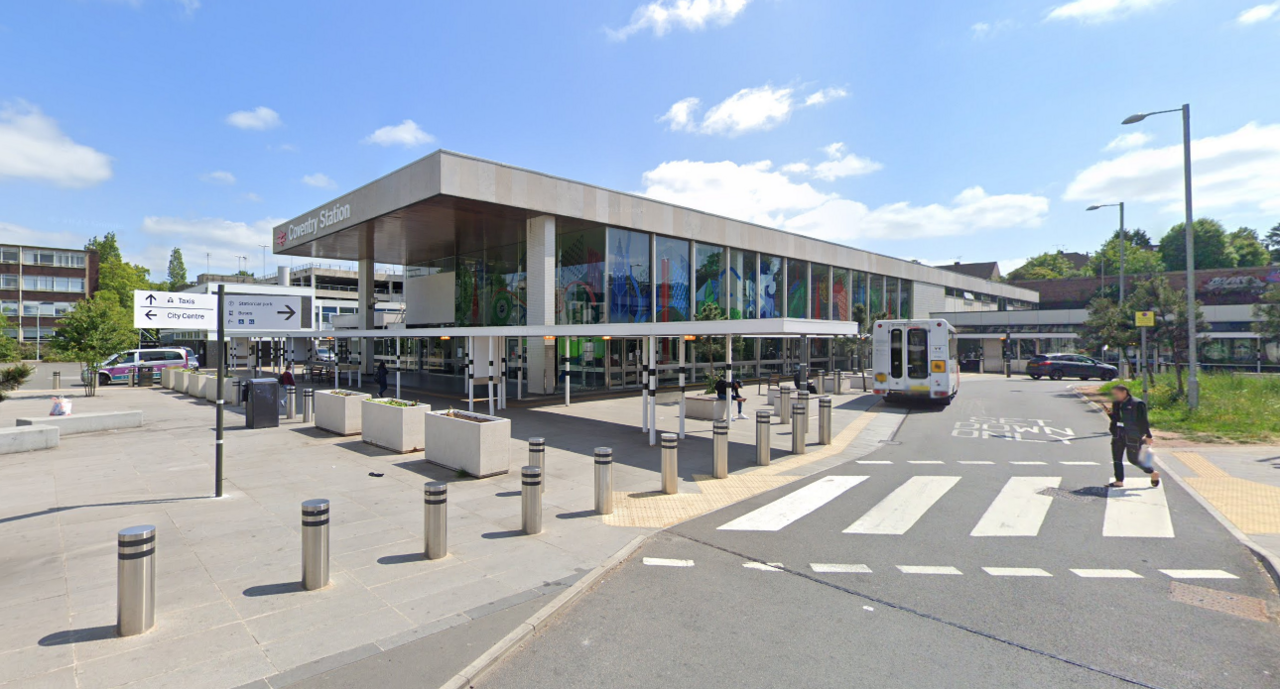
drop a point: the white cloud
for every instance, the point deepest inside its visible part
(17, 234)
(796, 168)
(843, 164)
(825, 96)
(319, 179)
(33, 147)
(751, 109)
(1097, 11)
(984, 30)
(661, 16)
(221, 239)
(1130, 140)
(754, 192)
(189, 5)
(1258, 13)
(980, 30)
(406, 134)
(219, 177)
(1235, 171)
(259, 118)
(251, 196)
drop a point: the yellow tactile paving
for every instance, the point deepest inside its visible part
(1253, 507)
(659, 510)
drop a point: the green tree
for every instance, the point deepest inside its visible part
(8, 345)
(177, 270)
(12, 377)
(1137, 260)
(1170, 307)
(1046, 266)
(95, 329)
(1108, 325)
(1213, 248)
(115, 276)
(1267, 311)
(1272, 242)
(1248, 249)
(1137, 237)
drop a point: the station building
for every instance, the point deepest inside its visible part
(506, 265)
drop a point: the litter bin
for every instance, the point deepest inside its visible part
(146, 376)
(262, 403)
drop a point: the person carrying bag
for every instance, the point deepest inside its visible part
(1130, 436)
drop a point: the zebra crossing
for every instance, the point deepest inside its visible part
(1019, 509)
(949, 570)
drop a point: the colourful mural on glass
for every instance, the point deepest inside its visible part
(580, 277)
(820, 288)
(709, 264)
(875, 297)
(840, 294)
(797, 288)
(891, 296)
(742, 284)
(630, 289)
(770, 286)
(904, 299)
(859, 288)
(671, 271)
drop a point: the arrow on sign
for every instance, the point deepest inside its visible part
(151, 298)
(149, 314)
(289, 311)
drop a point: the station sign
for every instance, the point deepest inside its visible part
(174, 310)
(262, 312)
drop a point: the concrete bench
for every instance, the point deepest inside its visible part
(27, 438)
(87, 423)
(704, 407)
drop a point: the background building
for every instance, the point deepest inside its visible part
(38, 285)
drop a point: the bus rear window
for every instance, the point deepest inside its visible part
(917, 353)
(895, 353)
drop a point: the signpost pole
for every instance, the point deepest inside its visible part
(222, 372)
(1143, 367)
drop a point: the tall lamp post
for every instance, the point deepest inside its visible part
(1193, 380)
(1122, 240)
(264, 259)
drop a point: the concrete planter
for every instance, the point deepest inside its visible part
(166, 378)
(195, 383)
(475, 443)
(339, 413)
(392, 427)
(211, 389)
(704, 407)
(178, 383)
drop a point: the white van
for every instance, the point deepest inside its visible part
(120, 368)
(915, 359)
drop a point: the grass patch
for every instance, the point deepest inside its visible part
(1235, 408)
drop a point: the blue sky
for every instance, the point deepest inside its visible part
(929, 130)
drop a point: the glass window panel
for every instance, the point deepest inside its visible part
(742, 284)
(504, 285)
(8, 255)
(891, 296)
(820, 288)
(630, 289)
(797, 288)
(8, 282)
(671, 263)
(875, 297)
(580, 276)
(468, 293)
(709, 265)
(904, 299)
(770, 286)
(840, 294)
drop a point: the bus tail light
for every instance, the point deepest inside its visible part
(940, 393)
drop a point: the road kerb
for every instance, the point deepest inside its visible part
(468, 675)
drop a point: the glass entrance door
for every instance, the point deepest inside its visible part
(626, 362)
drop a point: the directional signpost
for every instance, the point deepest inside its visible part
(1144, 320)
(182, 310)
(259, 312)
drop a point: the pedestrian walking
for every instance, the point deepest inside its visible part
(1130, 430)
(380, 376)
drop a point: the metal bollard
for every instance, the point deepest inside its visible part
(604, 480)
(537, 458)
(824, 420)
(803, 398)
(239, 396)
(784, 406)
(839, 382)
(762, 438)
(531, 499)
(308, 402)
(315, 544)
(821, 382)
(435, 525)
(797, 428)
(720, 449)
(57, 380)
(136, 580)
(669, 478)
(291, 401)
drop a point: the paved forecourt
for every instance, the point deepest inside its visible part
(980, 536)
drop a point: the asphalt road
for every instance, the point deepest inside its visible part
(883, 580)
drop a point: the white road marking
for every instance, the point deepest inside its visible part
(874, 461)
(973, 462)
(1198, 574)
(1028, 463)
(795, 505)
(664, 562)
(1138, 512)
(924, 569)
(1106, 574)
(1016, 572)
(771, 567)
(904, 506)
(925, 461)
(1080, 464)
(840, 569)
(1019, 509)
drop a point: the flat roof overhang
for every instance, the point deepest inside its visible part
(764, 327)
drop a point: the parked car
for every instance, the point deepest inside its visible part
(193, 361)
(1059, 366)
(120, 367)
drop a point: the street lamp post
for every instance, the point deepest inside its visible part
(264, 259)
(1123, 241)
(1193, 381)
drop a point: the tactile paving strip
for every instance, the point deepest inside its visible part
(1247, 607)
(1253, 507)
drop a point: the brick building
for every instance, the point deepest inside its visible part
(38, 285)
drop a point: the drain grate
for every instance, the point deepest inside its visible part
(1247, 607)
(1086, 494)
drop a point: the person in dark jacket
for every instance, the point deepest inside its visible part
(802, 380)
(380, 376)
(1130, 430)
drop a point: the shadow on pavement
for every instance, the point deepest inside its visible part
(76, 636)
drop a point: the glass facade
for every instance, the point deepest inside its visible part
(770, 286)
(820, 288)
(630, 286)
(860, 281)
(891, 296)
(797, 288)
(904, 299)
(709, 269)
(671, 261)
(840, 294)
(742, 284)
(580, 276)
(875, 296)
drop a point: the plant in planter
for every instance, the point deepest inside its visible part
(393, 424)
(338, 411)
(477, 444)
